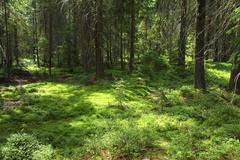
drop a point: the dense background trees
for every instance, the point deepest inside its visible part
(102, 34)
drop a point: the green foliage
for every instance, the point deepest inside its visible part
(125, 140)
(220, 148)
(24, 146)
(120, 96)
(235, 59)
(164, 115)
(43, 153)
(236, 101)
(187, 92)
(153, 62)
(188, 146)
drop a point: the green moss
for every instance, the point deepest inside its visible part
(164, 116)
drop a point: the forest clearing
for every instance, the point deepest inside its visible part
(119, 80)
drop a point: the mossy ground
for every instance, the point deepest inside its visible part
(161, 117)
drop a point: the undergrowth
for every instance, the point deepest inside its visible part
(134, 117)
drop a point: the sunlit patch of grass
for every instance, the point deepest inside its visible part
(219, 74)
(101, 99)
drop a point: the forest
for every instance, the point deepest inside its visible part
(119, 79)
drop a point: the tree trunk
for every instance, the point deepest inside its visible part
(35, 33)
(217, 30)
(183, 34)
(75, 36)
(209, 30)
(1, 48)
(8, 54)
(133, 30)
(199, 50)
(234, 83)
(98, 39)
(121, 34)
(109, 46)
(50, 43)
(46, 50)
(16, 46)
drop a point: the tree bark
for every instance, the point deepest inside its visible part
(16, 46)
(35, 33)
(133, 30)
(183, 34)
(121, 34)
(8, 54)
(50, 43)
(234, 83)
(199, 81)
(98, 39)
(217, 31)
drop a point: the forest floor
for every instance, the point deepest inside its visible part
(132, 117)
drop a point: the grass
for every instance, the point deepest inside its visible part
(162, 117)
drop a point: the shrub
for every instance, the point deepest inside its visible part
(120, 97)
(220, 148)
(27, 147)
(1, 102)
(152, 62)
(187, 92)
(44, 153)
(124, 141)
(236, 101)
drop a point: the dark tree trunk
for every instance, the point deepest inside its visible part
(69, 50)
(35, 33)
(199, 50)
(121, 34)
(8, 53)
(217, 31)
(50, 43)
(16, 46)
(1, 48)
(183, 34)
(75, 36)
(132, 37)
(209, 30)
(98, 39)
(234, 83)
(109, 45)
(46, 50)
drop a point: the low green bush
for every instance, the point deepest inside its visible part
(152, 62)
(195, 145)
(124, 141)
(187, 92)
(220, 148)
(25, 147)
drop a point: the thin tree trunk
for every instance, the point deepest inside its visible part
(183, 34)
(75, 37)
(209, 29)
(121, 34)
(132, 37)
(46, 19)
(98, 39)
(217, 31)
(35, 32)
(50, 45)
(234, 83)
(8, 56)
(1, 49)
(110, 47)
(16, 47)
